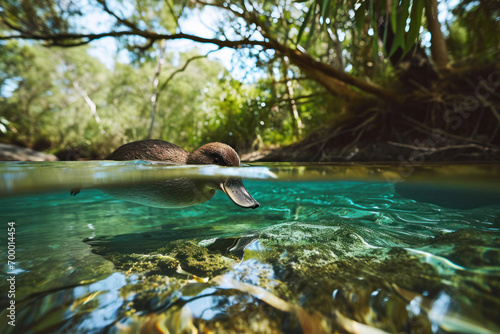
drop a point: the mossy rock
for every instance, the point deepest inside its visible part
(198, 260)
(186, 254)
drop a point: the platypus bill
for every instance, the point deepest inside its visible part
(180, 192)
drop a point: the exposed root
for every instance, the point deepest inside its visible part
(455, 119)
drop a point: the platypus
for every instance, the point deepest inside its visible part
(180, 192)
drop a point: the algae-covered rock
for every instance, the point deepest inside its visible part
(181, 256)
(338, 268)
(469, 248)
(145, 263)
(150, 293)
(197, 259)
(330, 276)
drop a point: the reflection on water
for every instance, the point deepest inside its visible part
(317, 257)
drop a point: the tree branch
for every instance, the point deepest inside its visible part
(92, 105)
(119, 19)
(315, 69)
(335, 80)
(305, 61)
(156, 92)
(182, 69)
(431, 150)
(69, 40)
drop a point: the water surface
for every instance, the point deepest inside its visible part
(346, 248)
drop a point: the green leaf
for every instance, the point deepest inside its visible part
(327, 13)
(375, 48)
(399, 38)
(324, 6)
(311, 33)
(359, 16)
(312, 30)
(416, 21)
(386, 28)
(394, 14)
(403, 15)
(375, 32)
(398, 42)
(304, 24)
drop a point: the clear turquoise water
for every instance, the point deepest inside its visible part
(336, 243)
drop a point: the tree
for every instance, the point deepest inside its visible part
(257, 16)
(362, 59)
(64, 99)
(438, 44)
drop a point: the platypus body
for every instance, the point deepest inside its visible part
(180, 192)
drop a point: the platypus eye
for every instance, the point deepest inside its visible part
(216, 160)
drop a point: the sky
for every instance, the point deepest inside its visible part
(201, 23)
(197, 23)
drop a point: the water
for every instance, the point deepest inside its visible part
(346, 248)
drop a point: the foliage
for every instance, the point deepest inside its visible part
(364, 15)
(313, 61)
(475, 31)
(45, 110)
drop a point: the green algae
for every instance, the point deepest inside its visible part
(358, 272)
(197, 259)
(471, 249)
(329, 271)
(141, 263)
(325, 269)
(182, 257)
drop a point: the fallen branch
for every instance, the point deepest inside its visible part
(431, 150)
(447, 134)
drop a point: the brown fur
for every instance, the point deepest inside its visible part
(181, 192)
(159, 150)
(151, 150)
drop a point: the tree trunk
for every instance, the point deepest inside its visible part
(294, 112)
(438, 45)
(156, 80)
(91, 104)
(334, 80)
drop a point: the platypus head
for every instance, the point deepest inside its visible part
(224, 155)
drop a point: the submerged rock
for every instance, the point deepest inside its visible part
(294, 277)
(182, 257)
(310, 278)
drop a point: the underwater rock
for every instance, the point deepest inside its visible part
(322, 277)
(198, 260)
(176, 257)
(140, 263)
(235, 246)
